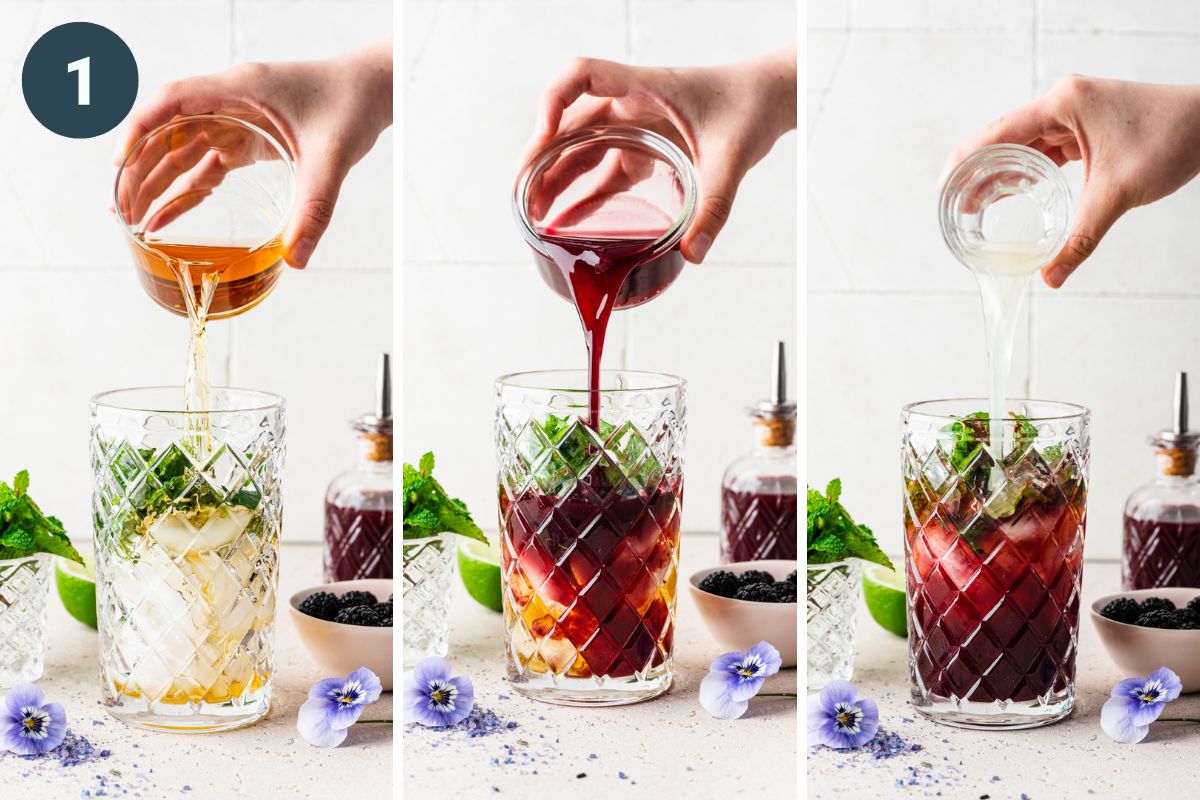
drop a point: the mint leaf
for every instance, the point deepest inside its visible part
(25, 530)
(833, 535)
(428, 510)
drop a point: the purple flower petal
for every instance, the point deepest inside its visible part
(21, 696)
(465, 700)
(726, 662)
(56, 731)
(715, 696)
(1169, 681)
(836, 692)
(369, 682)
(340, 716)
(440, 699)
(1128, 687)
(823, 710)
(1115, 721)
(432, 669)
(742, 689)
(768, 656)
(313, 724)
(326, 689)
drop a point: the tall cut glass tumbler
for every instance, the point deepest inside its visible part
(589, 533)
(993, 552)
(187, 514)
(24, 587)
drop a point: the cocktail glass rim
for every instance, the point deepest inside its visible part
(109, 399)
(654, 381)
(284, 156)
(1071, 410)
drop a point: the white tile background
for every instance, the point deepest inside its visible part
(893, 318)
(73, 319)
(474, 307)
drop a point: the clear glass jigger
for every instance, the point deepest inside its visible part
(1005, 207)
(203, 201)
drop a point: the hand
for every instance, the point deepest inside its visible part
(327, 113)
(726, 118)
(1139, 142)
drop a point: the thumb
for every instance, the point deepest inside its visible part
(318, 185)
(718, 187)
(1100, 205)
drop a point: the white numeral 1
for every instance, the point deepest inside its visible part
(84, 67)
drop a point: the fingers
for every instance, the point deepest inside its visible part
(582, 76)
(318, 185)
(718, 187)
(199, 95)
(1024, 125)
(1100, 206)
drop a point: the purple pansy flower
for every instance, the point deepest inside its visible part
(1136, 702)
(335, 704)
(29, 724)
(838, 718)
(433, 697)
(734, 678)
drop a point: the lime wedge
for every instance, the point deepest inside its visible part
(883, 589)
(479, 566)
(77, 588)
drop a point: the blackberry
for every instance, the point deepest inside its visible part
(757, 593)
(791, 578)
(1157, 604)
(784, 592)
(357, 615)
(352, 599)
(383, 614)
(720, 583)
(321, 605)
(1123, 609)
(752, 576)
(1187, 620)
(1159, 618)
(1194, 605)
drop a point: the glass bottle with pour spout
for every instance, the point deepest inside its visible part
(1162, 518)
(759, 490)
(358, 503)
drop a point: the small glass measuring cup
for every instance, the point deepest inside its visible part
(213, 192)
(612, 189)
(1005, 202)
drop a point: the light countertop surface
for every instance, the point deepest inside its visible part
(666, 747)
(1063, 761)
(267, 759)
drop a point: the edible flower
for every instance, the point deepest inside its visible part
(434, 697)
(1137, 702)
(733, 678)
(334, 704)
(29, 725)
(838, 718)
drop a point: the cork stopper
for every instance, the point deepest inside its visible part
(775, 419)
(375, 447)
(1176, 448)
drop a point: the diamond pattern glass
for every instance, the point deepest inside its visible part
(24, 586)
(756, 526)
(428, 567)
(589, 530)
(186, 521)
(994, 560)
(832, 597)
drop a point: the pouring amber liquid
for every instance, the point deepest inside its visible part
(244, 275)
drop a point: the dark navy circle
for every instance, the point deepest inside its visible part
(80, 80)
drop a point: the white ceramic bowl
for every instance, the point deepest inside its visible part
(341, 649)
(1139, 651)
(740, 624)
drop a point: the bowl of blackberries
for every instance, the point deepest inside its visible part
(347, 625)
(748, 602)
(1151, 628)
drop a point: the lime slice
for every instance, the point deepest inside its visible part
(479, 566)
(883, 589)
(77, 588)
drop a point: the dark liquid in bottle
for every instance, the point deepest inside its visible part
(600, 273)
(358, 543)
(758, 526)
(1161, 552)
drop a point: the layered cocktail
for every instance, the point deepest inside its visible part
(589, 522)
(994, 527)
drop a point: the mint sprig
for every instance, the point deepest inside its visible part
(833, 535)
(429, 511)
(25, 530)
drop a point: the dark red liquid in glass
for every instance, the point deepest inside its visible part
(594, 583)
(993, 605)
(757, 526)
(358, 543)
(1160, 552)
